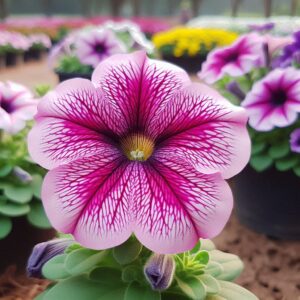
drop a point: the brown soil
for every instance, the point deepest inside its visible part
(272, 268)
(19, 287)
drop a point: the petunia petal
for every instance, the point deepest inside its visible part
(53, 142)
(73, 121)
(90, 199)
(138, 86)
(203, 130)
(176, 205)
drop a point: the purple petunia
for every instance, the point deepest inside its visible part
(94, 45)
(287, 57)
(235, 60)
(139, 149)
(274, 101)
(17, 105)
(295, 140)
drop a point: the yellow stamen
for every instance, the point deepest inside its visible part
(137, 147)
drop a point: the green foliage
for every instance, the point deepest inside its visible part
(5, 226)
(272, 149)
(128, 251)
(20, 182)
(201, 274)
(71, 64)
(42, 89)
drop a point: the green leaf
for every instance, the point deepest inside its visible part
(131, 273)
(207, 244)
(231, 264)
(196, 248)
(215, 297)
(261, 162)
(54, 269)
(211, 284)
(72, 247)
(232, 291)
(5, 170)
(105, 275)
(18, 194)
(81, 288)
(286, 163)
(83, 260)
(127, 252)
(14, 210)
(192, 287)
(257, 148)
(172, 296)
(279, 151)
(36, 185)
(138, 292)
(37, 216)
(297, 170)
(5, 226)
(213, 268)
(202, 257)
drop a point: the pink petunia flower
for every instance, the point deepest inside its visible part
(274, 100)
(235, 60)
(17, 106)
(94, 45)
(295, 140)
(139, 149)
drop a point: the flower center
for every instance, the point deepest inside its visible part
(6, 106)
(99, 48)
(231, 57)
(279, 97)
(137, 147)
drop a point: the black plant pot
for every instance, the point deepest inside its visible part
(11, 59)
(269, 202)
(33, 54)
(16, 247)
(191, 64)
(62, 76)
(2, 61)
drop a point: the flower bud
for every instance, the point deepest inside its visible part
(159, 271)
(22, 175)
(43, 252)
(234, 88)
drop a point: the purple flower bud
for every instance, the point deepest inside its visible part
(22, 175)
(159, 271)
(43, 252)
(234, 88)
(295, 140)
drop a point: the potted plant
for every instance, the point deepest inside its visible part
(13, 44)
(20, 177)
(137, 161)
(188, 47)
(39, 45)
(130, 271)
(259, 72)
(81, 51)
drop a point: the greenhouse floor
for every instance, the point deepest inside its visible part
(271, 267)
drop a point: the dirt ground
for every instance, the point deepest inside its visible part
(272, 268)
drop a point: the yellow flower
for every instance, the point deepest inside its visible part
(193, 40)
